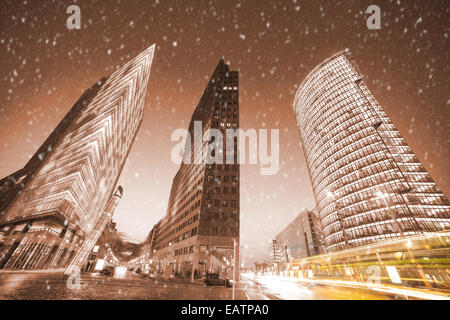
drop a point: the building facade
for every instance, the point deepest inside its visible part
(49, 208)
(102, 254)
(144, 263)
(300, 239)
(274, 256)
(368, 183)
(196, 235)
(98, 242)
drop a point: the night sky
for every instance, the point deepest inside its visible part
(45, 67)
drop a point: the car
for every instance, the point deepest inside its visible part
(107, 271)
(213, 279)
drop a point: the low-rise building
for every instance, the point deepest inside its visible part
(299, 239)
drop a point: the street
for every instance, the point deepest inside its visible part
(54, 285)
(268, 288)
(45, 285)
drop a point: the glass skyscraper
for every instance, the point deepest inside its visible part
(49, 209)
(368, 183)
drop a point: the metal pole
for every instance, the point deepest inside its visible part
(234, 267)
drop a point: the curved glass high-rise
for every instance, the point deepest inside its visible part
(368, 183)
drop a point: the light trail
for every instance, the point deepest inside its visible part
(410, 292)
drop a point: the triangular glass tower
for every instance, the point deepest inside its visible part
(50, 207)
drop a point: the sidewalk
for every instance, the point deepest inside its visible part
(22, 271)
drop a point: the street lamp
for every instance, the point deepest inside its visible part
(234, 267)
(235, 245)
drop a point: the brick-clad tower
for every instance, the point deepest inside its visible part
(202, 219)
